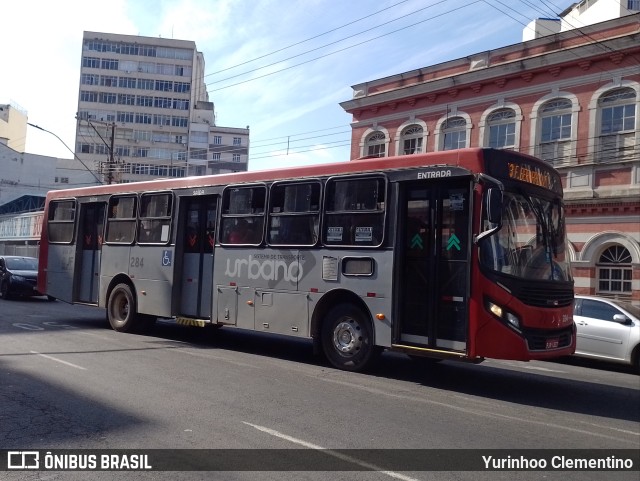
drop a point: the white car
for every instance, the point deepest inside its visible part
(607, 329)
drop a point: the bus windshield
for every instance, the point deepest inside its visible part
(531, 241)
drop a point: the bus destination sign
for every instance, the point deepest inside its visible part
(533, 175)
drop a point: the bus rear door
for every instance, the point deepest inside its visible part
(434, 235)
(197, 257)
(90, 238)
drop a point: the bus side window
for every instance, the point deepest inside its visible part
(354, 211)
(294, 213)
(155, 218)
(121, 222)
(243, 210)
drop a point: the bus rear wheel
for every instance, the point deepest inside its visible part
(347, 338)
(121, 309)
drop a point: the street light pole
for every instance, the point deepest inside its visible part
(68, 148)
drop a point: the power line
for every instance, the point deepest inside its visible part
(345, 48)
(68, 148)
(307, 39)
(326, 45)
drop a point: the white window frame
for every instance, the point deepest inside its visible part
(556, 151)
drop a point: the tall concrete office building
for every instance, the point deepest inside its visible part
(144, 111)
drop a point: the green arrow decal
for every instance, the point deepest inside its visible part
(416, 242)
(453, 242)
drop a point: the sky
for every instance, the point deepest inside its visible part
(281, 67)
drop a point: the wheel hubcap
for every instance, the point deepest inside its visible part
(347, 337)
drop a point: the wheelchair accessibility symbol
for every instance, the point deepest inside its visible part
(166, 258)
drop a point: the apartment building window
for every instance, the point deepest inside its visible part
(376, 145)
(141, 152)
(89, 79)
(126, 82)
(215, 156)
(180, 104)
(555, 130)
(144, 101)
(617, 111)
(161, 119)
(125, 116)
(145, 84)
(85, 148)
(633, 4)
(90, 62)
(109, 64)
(237, 141)
(179, 121)
(502, 129)
(129, 49)
(108, 98)
(614, 271)
(122, 151)
(412, 140)
(86, 96)
(142, 118)
(164, 85)
(455, 133)
(199, 154)
(199, 137)
(217, 140)
(147, 51)
(182, 87)
(108, 80)
(236, 158)
(162, 102)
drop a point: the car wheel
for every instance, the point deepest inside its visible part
(347, 338)
(4, 290)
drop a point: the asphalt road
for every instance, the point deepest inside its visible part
(69, 382)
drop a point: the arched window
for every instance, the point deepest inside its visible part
(376, 145)
(455, 133)
(502, 129)
(555, 130)
(617, 109)
(412, 140)
(614, 270)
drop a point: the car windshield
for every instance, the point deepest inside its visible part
(531, 242)
(630, 308)
(22, 263)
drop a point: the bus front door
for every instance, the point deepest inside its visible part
(197, 259)
(90, 238)
(434, 232)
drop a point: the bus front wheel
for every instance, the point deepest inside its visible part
(121, 309)
(347, 338)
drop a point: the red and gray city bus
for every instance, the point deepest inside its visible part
(446, 255)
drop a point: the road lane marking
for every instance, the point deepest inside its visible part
(343, 457)
(626, 431)
(475, 412)
(59, 360)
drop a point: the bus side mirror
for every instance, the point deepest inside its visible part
(494, 205)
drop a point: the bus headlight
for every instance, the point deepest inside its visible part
(505, 316)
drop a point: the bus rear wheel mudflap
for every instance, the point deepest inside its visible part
(347, 338)
(122, 310)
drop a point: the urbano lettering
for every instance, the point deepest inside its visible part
(269, 270)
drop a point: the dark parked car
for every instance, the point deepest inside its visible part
(607, 329)
(18, 276)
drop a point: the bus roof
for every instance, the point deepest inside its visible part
(468, 158)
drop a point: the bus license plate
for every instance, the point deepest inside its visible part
(553, 343)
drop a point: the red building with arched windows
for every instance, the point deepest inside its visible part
(571, 98)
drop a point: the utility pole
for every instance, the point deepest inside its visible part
(112, 162)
